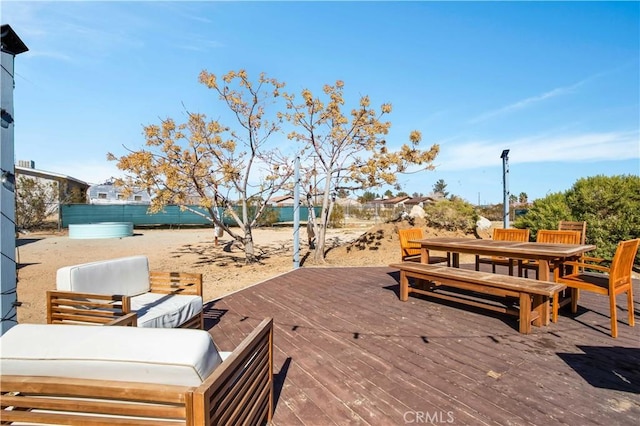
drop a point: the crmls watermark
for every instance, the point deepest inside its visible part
(429, 417)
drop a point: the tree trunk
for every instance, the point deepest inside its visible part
(322, 223)
(247, 241)
(318, 254)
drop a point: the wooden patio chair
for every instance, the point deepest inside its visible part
(501, 234)
(567, 225)
(609, 281)
(411, 251)
(551, 236)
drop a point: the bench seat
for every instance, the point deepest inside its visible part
(165, 310)
(533, 295)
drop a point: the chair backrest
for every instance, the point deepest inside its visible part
(566, 225)
(511, 234)
(622, 263)
(558, 237)
(407, 248)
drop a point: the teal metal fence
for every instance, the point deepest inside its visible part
(71, 214)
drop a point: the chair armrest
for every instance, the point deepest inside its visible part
(130, 319)
(594, 259)
(582, 266)
(242, 386)
(175, 283)
(69, 307)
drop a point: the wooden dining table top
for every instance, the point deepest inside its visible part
(512, 249)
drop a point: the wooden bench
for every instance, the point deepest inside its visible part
(533, 295)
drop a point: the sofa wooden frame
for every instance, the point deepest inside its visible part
(238, 391)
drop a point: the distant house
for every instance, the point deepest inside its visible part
(389, 203)
(423, 201)
(280, 201)
(108, 193)
(70, 189)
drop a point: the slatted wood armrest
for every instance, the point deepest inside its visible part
(87, 308)
(130, 319)
(176, 283)
(62, 400)
(586, 266)
(241, 391)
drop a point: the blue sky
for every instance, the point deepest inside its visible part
(558, 84)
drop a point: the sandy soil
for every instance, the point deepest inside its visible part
(193, 250)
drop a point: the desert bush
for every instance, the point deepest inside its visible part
(492, 212)
(360, 213)
(36, 200)
(385, 215)
(268, 217)
(451, 215)
(336, 220)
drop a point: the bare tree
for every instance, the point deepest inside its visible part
(349, 148)
(221, 166)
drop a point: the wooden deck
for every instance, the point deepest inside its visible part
(348, 351)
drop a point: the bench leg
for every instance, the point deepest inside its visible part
(525, 313)
(404, 286)
(542, 307)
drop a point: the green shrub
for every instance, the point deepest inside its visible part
(451, 215)
(609, 204)
(611, 207)
(545, 213)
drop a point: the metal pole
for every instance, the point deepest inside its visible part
(505, 186)
(10, 46)
(296, 215)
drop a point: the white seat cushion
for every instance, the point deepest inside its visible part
(165, 310)
(148, 355)
(127, 276)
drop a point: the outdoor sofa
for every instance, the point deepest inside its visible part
(106, 290)
(87, 375)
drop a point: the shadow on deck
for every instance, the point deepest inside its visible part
(348, 351)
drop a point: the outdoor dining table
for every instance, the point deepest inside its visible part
(544, 253)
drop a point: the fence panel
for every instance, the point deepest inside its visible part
(137, 214)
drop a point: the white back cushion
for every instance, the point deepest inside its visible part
(127, 276)
(148, 355)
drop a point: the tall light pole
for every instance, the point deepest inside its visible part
(505, 186)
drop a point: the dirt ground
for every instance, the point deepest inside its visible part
(224, 271)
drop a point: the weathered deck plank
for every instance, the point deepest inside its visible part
(347, 351)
